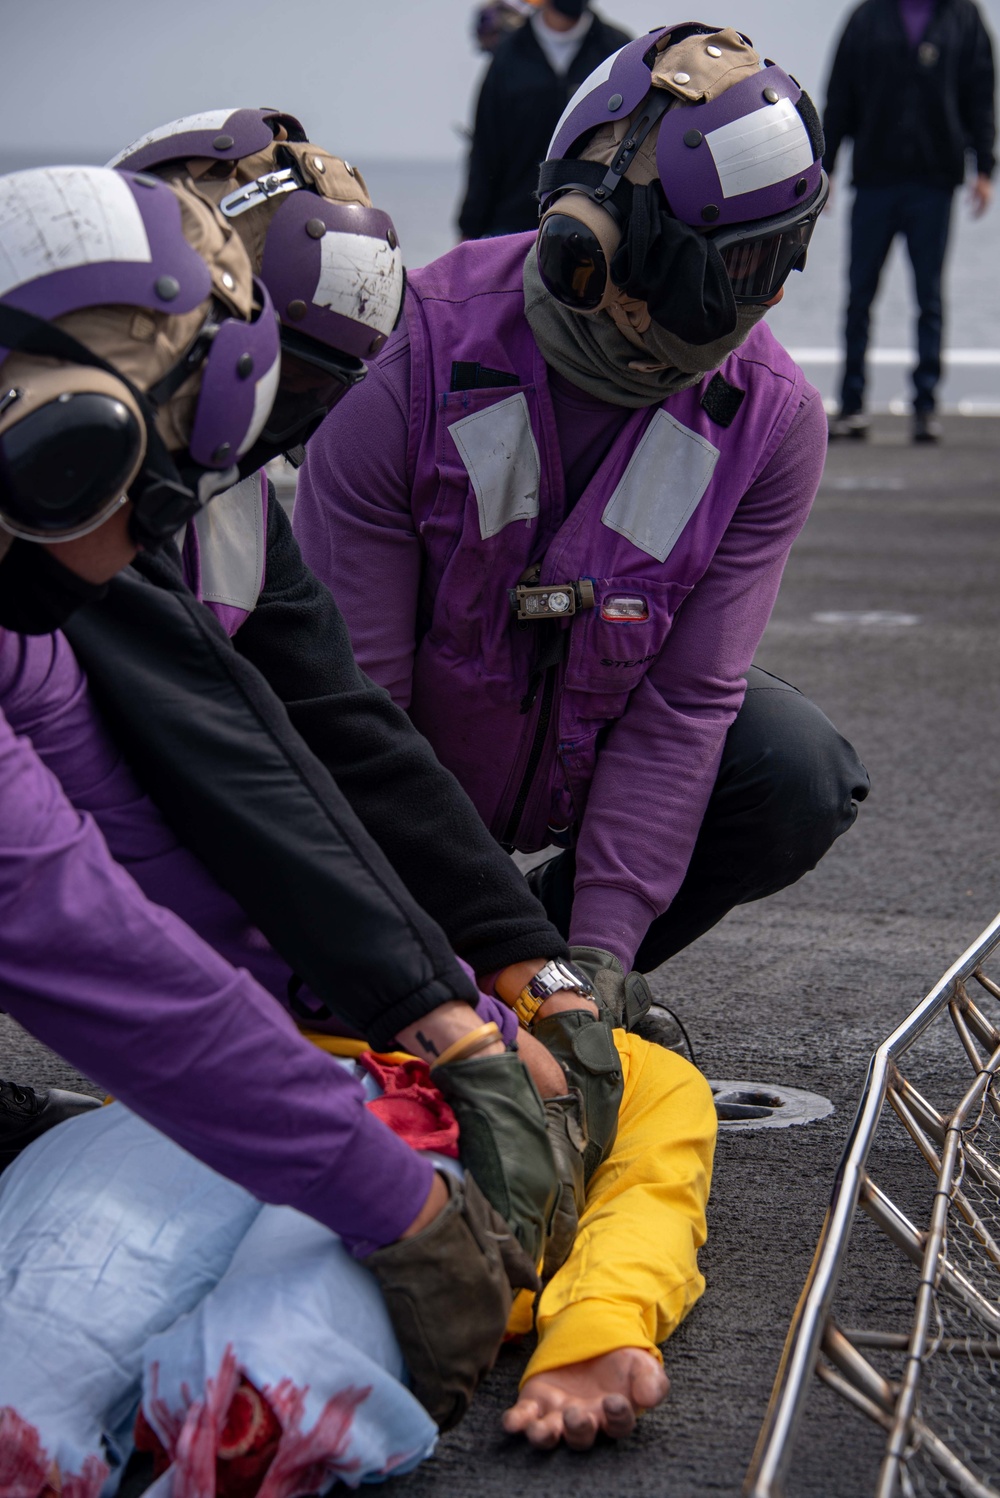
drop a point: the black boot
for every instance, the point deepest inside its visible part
(851, 424)
(25, 1113)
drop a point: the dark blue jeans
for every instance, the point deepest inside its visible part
(922, 214)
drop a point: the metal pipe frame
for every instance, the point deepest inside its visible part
(775, 1444)
(944, 1198)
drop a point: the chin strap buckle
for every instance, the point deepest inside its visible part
(269, 185)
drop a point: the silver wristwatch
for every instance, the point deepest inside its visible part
(554, 977)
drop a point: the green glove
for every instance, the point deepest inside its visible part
(449, 1290)
(625, 997)
(585, 1048)
(568, 1139)
(503, 1141)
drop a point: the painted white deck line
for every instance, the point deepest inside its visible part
(968, 358)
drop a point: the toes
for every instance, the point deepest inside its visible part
(545, 1433)
(619, 1416)
(519, 1416)
(580, 1426)
(649, 1386)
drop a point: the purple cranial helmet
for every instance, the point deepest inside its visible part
(330, 260)
(215, 134)
(167, 351)
(681, 158)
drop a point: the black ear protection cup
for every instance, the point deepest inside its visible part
(63, 463)
(577, 241)
(164, 493)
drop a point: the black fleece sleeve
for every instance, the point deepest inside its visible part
(485, 164)
(840, 115)
(213, 747)
(411, 805)
(977, 98)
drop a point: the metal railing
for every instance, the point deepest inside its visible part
(939, 1413)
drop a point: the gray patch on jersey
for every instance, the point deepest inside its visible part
(660, 489)
(501, 458)
(231, 545)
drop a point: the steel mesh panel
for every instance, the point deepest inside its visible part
(960, 1378)
(934, 1388)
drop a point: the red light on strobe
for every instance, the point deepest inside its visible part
(624, 608)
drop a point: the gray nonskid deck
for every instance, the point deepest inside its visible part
(801, 988)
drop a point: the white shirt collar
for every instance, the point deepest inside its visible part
(560, 47)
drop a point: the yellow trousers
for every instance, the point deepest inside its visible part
(633, 1273)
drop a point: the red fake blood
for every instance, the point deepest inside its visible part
(247, 1445)
(244, 1448)
(253, 1438)
(27, 1472)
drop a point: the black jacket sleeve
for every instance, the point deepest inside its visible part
(411, 805)
(214, 748)
(840, 116)
(976, 101)
(485, 163)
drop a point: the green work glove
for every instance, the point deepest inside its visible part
(449, 1290)
(568, 1139)
(585, 1048)
(625, 997)
(503, 1141)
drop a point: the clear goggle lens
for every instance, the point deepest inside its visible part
(759, 258)
(758, 268)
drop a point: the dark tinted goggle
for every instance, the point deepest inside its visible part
(760, 257)
(314, 377)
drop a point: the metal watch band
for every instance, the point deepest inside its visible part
(554, 977)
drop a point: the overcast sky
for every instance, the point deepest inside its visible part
(369, 78)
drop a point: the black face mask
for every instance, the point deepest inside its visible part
(676, 271)
(37, 593)
(573, 9)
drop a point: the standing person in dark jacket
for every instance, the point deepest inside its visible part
(532, 77)
(912, 84)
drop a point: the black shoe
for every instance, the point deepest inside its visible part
(925, 427)
(26, 1113)
(854, 424)
(660, 1026)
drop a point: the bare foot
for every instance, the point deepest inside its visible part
(574, 1403)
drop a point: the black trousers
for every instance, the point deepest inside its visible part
(789, 784)
(922, 214)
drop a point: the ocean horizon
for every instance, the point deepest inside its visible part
(423, 196)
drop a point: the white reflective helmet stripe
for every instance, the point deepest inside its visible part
(63, 217)
(211, 119)
(361, 278)
(263, 399)
(600, 75)
(760, 149)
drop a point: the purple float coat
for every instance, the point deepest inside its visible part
(388, 516)
(139, 1002)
